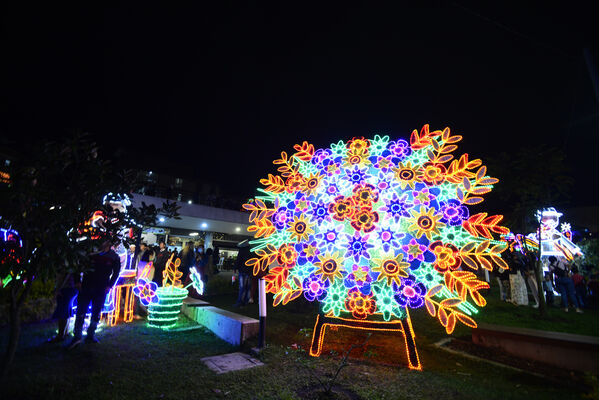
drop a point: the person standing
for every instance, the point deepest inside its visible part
(187, 261)
(95, 285)
(208, 265)
(518, 292)
(160, 260)
(563, 283)
(580, 286)
(244, 273)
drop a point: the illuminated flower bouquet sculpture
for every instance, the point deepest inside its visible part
(372, 228)
(164, 303)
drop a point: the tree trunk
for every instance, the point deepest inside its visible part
(13, 335)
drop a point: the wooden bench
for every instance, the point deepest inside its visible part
(564, 350)
(231, 327)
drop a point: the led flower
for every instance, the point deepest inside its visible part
(331, 189)
(300, 228)
(301, 204)
(414, 250)
(386, 304)
(378, 144)
(358, 246)
(454, 212)
(383, 164)
(433, 174)
(422, 197)
(319, 212)
(307, 252)
(294, 183)
(312, 183)
(329, 266)
(196, 280)
(355, 175)
(425, 222)
(400, 148)
(342, 208)
(397, 207)
(331, 167)
(330, 237)
(359, 278)
(146, 291)
(287, 256)
(391, 268)
(356, 160)
(427, 274)
(364, 219)
(360, 305)
(358, 145)
(384, 182)
(320, 155)
(282, 217)
(315, 288)
(365, 195)
(410, 293)
(407, 175)
(389, 238)
(334, 302)
(447, 256)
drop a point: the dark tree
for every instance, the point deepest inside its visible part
(53, 190)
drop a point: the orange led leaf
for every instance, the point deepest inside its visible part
(304, 152)
(274, 184)
(459, 169)
(479, 225)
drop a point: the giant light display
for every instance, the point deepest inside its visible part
(372, 228)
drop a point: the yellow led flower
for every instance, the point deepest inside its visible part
(407, 175)
(311, 184)
(300, 228)
(352, 159)
(425, 222)
(358, 145)
(329, 266)
(391, 268)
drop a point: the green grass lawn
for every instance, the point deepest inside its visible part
(136, 362)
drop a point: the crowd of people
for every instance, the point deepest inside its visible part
(563, 277)
(205, 261)
(93, 286)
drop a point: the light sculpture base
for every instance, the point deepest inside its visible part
(165, 313)
(403, 325)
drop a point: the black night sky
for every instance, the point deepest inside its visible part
(215, 92)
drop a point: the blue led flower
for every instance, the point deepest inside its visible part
(397, 207)
(411, 292)
(355, 175)
(360, 278)
(400, 148)
(319, 212)
(306, 251)
(282, 217)
(357, 246)
(315, 288)
(454, 212)
(390, 238)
